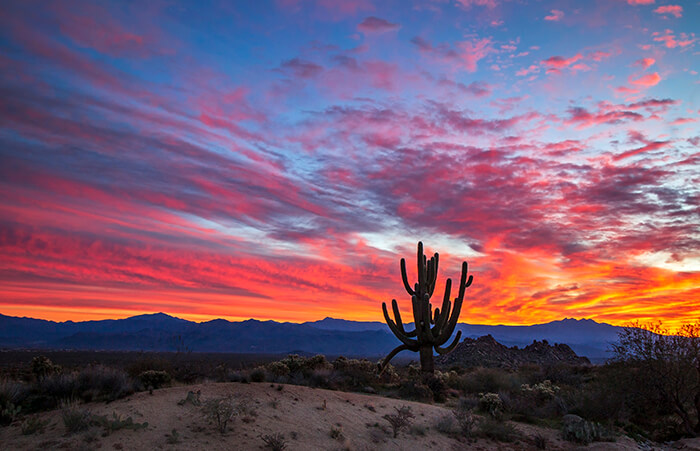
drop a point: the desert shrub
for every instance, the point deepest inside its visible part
(400, 420)
(576, 429)
(539, 441)
(278, 371)
(173, 438)
(464, 415)
(437, 386)
(353, 373)
(75, 418)
(34, 424)
(257, 375)
(115, 423)
(12, 395)
(221, 411)
(337, 433)
(668, 368)
(275, 442)
(102, 383)
(539, 400)
(497, 430)
(42, 366)
(491, 404)
(54, 390)
(147, 363)
(445, 424)
(153, 380)
(487, 380)
(415, 391)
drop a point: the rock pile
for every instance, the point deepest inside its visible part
(487, 352)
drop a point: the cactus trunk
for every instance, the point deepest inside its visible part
(427, 366)
(432, 328)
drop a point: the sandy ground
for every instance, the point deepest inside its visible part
(305, 416)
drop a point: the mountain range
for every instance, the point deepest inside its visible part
(330, 336)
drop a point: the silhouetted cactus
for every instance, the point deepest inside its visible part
(432, 330)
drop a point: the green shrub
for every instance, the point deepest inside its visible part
(464, 415)
(257, 375)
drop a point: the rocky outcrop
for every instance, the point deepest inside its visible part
(487, 352)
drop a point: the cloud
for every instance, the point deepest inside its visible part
(376, 25)
(674, 10)
(464, 55)
(555, 16)
(640, 2)
(466, 4)
(647, 80)
(301, 68)
(645, 63)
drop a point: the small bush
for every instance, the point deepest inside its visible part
(42, 366)
(465, 417)
(415, 391)
(12, 395)
(34, 424)
(445, 424)
(491, 404)
(102, 383)
(191, 398)
(116, 423)
(153, 380)
(75, 419)
(221, 411)
(257, 375)
(401, 420)
(173, 438)
(497, 430)
(337, 433)
(275, 442)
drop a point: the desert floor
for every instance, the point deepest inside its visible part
(306, 417)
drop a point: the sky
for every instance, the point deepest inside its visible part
(275, 159)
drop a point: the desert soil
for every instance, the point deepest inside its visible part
(306, 416)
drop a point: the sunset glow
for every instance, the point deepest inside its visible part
(276, 159)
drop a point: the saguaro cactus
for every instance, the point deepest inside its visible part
(432, 330)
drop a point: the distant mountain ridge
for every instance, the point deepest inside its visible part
(162, 332)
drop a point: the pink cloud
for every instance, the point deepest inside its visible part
(599, 55)
(670, 41)
(556, 15)
(377, 25)
(556, 63)
(647, 80)
(645, 62)
(469, 3)
(473, 51)
(640, 2)
(675, 10)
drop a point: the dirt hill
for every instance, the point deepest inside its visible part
(309, 419)
(487, 352)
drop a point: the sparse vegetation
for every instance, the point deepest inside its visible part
(75, 419)
(221, 411)
(274, 442)
(153, 379)
(400, 420)
(33, 425)
(173, 437)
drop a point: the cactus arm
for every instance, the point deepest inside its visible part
(404, 278)
(397, 315)
(394, 328)
(433, 276)
(421, 265)
(449, 348)
(452, 323)
(464, 283)
(387, 359)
